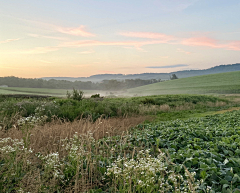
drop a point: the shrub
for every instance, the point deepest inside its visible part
(95, 96)
(75, 95)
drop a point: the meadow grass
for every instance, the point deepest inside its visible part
(74, 157)
(166, 107)
(222, 83)
(42, 91)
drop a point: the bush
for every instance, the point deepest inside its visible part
(75, 95)
(95, 96)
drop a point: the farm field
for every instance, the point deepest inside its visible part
(41, 91)
(222, 83)
(138, 144)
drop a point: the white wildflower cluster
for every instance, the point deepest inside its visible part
(41, 109)
(75, 145)
(9, 145)
(39, 117)
(32, 120)
(52, 164)
(146, 172)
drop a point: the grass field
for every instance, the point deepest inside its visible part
(222, 83)
(41, 91)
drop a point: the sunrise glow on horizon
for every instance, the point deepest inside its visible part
(78, 38)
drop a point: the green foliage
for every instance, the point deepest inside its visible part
(95, 96)
(65, 84)
(41, 110)
(209, 146)
(75, 95)
(148, 101)
(173, 77)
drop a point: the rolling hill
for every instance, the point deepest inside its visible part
(148, 76)
(222, 83)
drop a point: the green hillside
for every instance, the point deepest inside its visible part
(222, 83)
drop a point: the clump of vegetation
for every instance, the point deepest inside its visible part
(75, 95)
(43, 110)
(173, 77)
(95, 96)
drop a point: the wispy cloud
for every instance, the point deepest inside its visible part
(47, 37)
(234, 45)
(212, 43)
(201, 41)
(39, 50)
(183, 51)
(149, 35)
(136, 44)
(168, 66)
(9, 40)
(79, 31)
(76, 31)
(87, 52)
(204, 41)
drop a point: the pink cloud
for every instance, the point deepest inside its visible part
(9, 40)
(213, 43)
(234, 45)
(201, 41)
(149, 35)
(136, 44)
(80, 31)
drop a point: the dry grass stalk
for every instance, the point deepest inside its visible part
(46, 138)
(165, 107)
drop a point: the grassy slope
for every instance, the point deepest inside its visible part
(215, 83)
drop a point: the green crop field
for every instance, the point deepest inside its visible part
(222, 83)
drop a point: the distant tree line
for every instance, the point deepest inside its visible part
(12, 81)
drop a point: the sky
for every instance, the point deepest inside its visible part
(79, 38)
